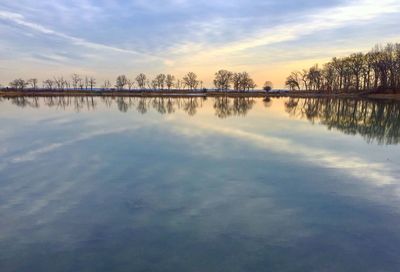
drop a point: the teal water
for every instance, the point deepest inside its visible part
(198, 184)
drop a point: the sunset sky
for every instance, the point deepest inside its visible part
(105, 38)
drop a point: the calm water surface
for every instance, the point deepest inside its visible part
(199, 185)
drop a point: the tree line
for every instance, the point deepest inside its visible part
(379, 69)
(223, 81)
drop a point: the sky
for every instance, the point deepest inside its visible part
(106, 38)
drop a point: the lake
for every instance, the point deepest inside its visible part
(196, 184)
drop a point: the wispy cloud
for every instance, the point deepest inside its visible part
(21, 21)
(356, 12)
(375, 173)
(34, 154)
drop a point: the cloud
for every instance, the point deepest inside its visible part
(356, 12)
(21, 21)
(34, 154)
(375, 173)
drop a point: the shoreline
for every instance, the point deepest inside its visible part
(188, 94)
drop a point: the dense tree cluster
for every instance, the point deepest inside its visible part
(378, 69)
(224, 80)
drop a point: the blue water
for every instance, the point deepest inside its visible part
(199, 185)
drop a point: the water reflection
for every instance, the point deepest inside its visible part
(105, 191)
(374, 120)
(224, 106)
(77, 103)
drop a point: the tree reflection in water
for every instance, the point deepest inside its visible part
(224, 106)
(374, 120)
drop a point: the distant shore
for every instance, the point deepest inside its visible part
(184, 93)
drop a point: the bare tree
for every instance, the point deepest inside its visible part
(356, 64)
(328, 77)
(81, 84)
(33, 82)
(154, 84)
(191, 81)
(314, 77)
(60, 82)
(76, 79)
(293, 81)
(223, 80)
(92, 83)
(169, 81)
(236, 80)
(242, 82)
(179, 84)
(160, 81)
(150, 84)
(250, 84)
(86, 82)
(141, 80)
(18, 84)
(338, 65)
(121, 82)
(304, 78)
(130, 84)
(48, 84)
(107, 85)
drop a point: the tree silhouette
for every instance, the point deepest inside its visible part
(121, 82)
(376, 70)
(191, 81)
